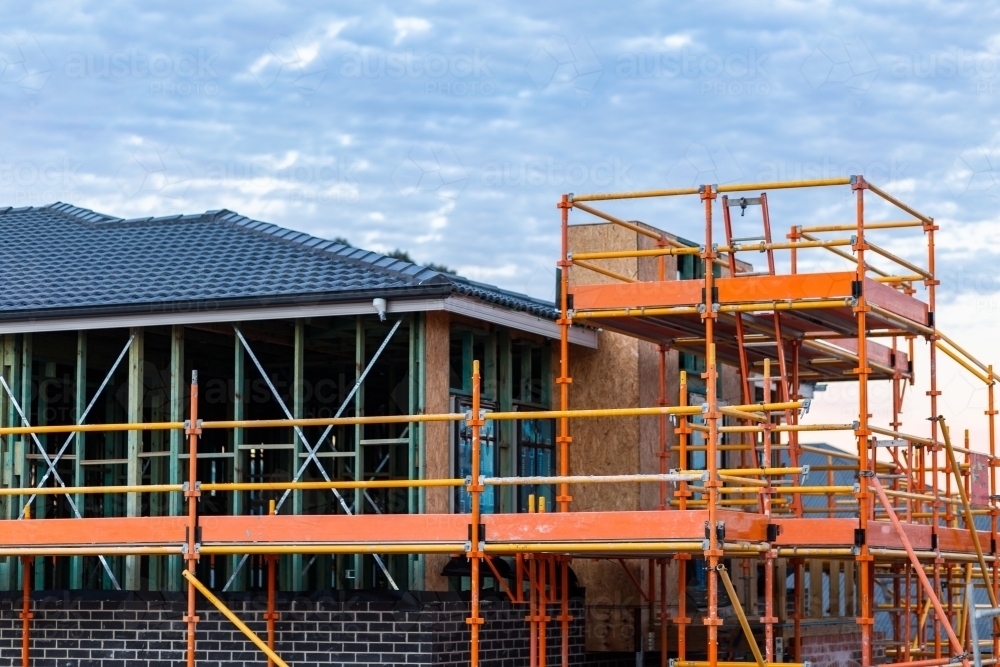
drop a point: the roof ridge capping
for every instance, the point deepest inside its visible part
(414, 273)
(80, 214)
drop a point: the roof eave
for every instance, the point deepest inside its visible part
(217, 305)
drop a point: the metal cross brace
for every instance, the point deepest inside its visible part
(380, 465)
(288, 414)
(310, 450)
(365, 491)
(52, 468)
(79, 421)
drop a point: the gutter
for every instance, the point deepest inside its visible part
(410, 300)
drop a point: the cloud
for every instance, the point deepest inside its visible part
(285, 136)
(292, 62)
(407, 26)
(677, 41)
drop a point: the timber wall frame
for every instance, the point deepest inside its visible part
(911, 516)
(126, 352)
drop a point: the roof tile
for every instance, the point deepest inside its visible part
(212, 256)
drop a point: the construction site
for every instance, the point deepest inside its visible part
(617, 478)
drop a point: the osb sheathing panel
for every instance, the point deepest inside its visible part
(649, 385)
(601, 238)
(622, 372)
(622, 446)
(436, 365)
(605, 378)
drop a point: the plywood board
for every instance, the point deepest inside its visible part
(607, 378)
(816, 588)
(834, 588)
(436, 365)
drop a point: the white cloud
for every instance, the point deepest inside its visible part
(273, 93)
(677, 41)
(407, 26)
(334, 28)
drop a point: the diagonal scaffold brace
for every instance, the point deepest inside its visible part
(918, 567)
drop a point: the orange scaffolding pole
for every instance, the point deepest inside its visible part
(27, 565)
(475, 488)
(193, 431)
(564, 439)
(713, 552)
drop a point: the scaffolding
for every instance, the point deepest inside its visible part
(910, 518)
(906, 527)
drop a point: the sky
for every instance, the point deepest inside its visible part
(450, 129)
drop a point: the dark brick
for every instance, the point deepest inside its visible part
(73, 632)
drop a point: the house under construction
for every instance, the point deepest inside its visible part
(225, 442)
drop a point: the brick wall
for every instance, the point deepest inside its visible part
(103, 629)
(842, 650)
(839, 646)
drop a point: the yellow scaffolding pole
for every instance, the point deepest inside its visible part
(762, 246)
(642, 194)
(604, 272)
(783, 185)
(961, 362)
(386, 419)
(624, 254)
(868, 225)
(738, 608)
(258, 642)
(892, 200)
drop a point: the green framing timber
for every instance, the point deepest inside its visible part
(298, 383)
(136, 399)
(359, 455)
(177, 390)
(151, 384)
(413, 463)
(239, 413)
(79, 445)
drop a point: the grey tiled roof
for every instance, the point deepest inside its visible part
(60, 259)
